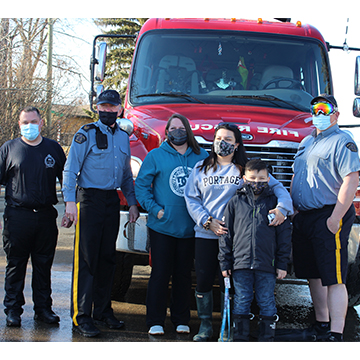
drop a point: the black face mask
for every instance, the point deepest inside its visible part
(177, 136)
(108, 118)
(258, 186)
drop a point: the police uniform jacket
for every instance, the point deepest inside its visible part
(104, 167)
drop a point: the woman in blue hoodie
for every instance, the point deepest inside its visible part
(159, 189)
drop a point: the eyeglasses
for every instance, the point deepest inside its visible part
(323, 108)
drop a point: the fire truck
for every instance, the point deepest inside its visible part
(257, 74)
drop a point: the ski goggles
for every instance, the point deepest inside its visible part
(322, 108)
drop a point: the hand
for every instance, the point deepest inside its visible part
(280, 274)
(226, 273)
(279, 217)
(66, 222)
(160, 214)
(71, 211)
(333, 225)
(217, 227)
(133, 213)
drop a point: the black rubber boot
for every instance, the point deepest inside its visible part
(267, 326)
(242, 327)
(204, 303)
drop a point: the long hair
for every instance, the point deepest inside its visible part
(239, 158)
(190, 135)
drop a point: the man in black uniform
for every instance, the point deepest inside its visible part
(29, 166)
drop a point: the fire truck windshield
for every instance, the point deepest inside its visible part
(222, 67)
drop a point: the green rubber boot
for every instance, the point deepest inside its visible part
(204, 303)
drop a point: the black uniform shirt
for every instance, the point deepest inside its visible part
(29, 172)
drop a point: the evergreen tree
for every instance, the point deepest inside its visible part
(120, 51)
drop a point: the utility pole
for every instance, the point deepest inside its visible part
(49, 83)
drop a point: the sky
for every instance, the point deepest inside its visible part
(330, 18)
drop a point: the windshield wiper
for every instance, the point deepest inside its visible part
(265, 97)
(174, 94)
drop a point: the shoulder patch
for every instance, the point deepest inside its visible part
(352, 147)
(87, 127)
(80, 138)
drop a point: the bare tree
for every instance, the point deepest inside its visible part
(23, 50)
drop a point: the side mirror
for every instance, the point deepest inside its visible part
(101, 58)
(357, 77)
(126, 125)
(356, 107)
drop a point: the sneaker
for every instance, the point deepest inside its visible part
(156, 330)
(183, 329)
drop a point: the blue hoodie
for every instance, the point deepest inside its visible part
(160, 185)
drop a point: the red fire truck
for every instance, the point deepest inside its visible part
(258, 75)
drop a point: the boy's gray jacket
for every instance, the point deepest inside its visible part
(250, 242)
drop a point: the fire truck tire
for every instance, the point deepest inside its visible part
(353, 281)
(123, 273)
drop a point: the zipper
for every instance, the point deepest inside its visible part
(256, 210)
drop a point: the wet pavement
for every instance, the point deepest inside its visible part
(293, 302)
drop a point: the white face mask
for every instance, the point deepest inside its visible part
(30, 131)
(321, 121)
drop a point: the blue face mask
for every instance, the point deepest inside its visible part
(321, 122)
(30, 131)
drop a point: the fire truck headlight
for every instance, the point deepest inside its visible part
(135, 164)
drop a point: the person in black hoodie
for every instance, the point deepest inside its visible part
(254, 253)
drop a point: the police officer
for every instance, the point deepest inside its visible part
(29, 166)
(323, 187)
(98, 164)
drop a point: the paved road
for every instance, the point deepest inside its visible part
(293, 301)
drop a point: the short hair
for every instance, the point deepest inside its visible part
(28, 109)
(256, 164)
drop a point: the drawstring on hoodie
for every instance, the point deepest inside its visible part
(184, 166)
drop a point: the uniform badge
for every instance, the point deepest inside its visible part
(49, 161)
(80, 138)
(352, 147)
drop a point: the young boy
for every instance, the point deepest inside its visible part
(254, 253)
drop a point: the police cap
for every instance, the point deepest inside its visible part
(109, 97)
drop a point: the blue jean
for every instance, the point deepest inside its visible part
(245, 281)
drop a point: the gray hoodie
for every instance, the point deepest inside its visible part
(207, 195)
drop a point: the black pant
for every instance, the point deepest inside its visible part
(170, 257)
(94, 254)
(27, 233)
(207, 264)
